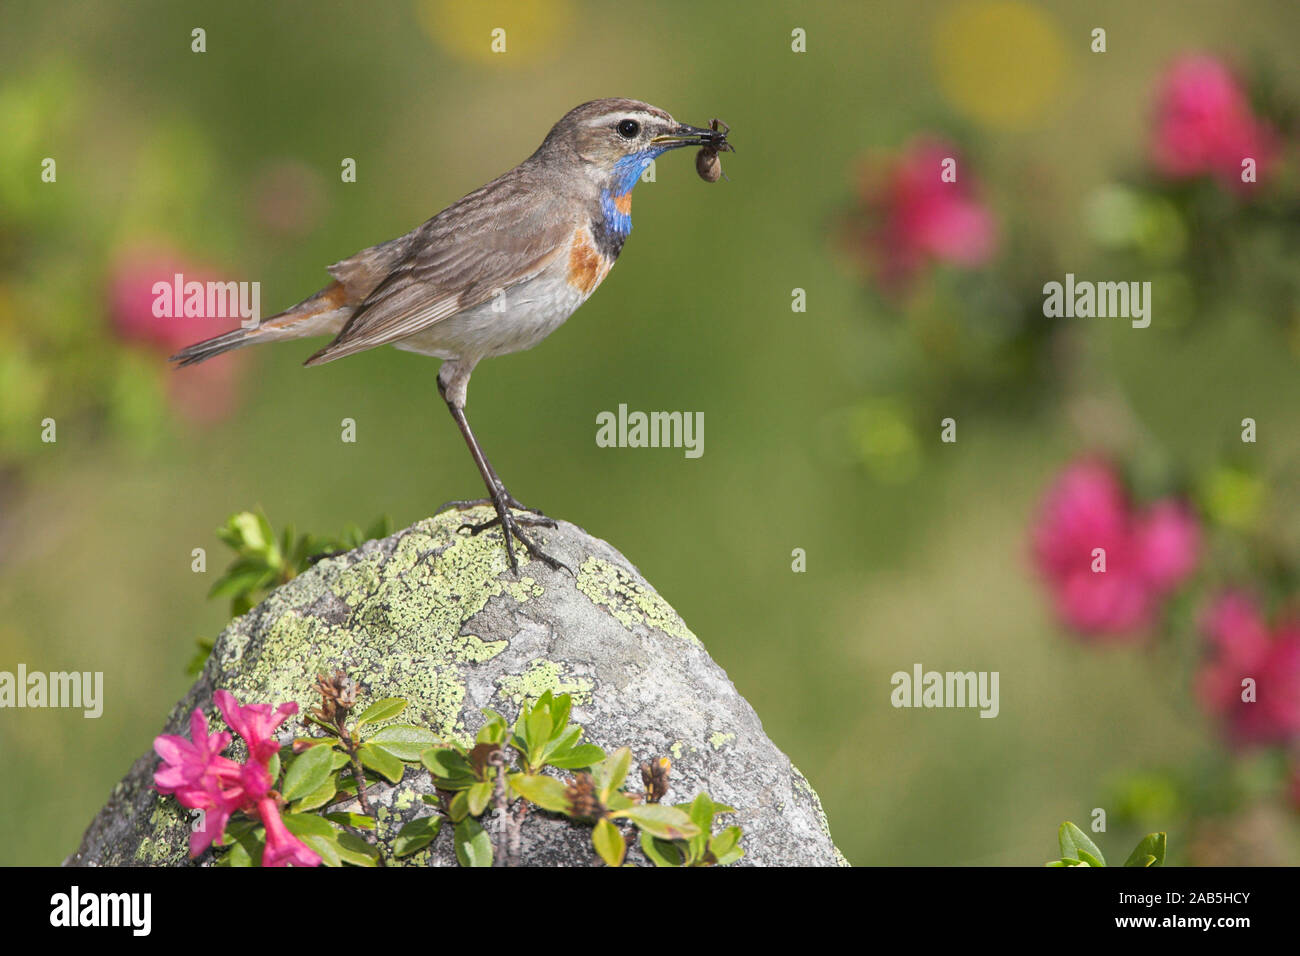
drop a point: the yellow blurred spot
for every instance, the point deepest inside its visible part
(998, 61)
(501, 32)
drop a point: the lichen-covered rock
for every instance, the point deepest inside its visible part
(436, 617)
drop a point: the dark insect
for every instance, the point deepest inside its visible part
(707, 162)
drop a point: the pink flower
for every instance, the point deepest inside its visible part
(203, 393)
(282, 847)
(131, 300)
(1087, 519)
(1243, 646)
(187, 762)
(1204, 125)
(910, 217)
(256, 723)
(217, 806)
(201, 779)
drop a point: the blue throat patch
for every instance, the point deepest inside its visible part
(626, 173)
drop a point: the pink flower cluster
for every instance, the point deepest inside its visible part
(200, 778)
(1244, 646)
(203, 394)
(912, 217)
(1204, 125)
(1145, 553)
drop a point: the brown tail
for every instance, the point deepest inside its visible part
(210, 348)
(321, 314)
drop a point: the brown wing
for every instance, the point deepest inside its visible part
(498, 235)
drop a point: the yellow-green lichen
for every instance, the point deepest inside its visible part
(540, 677)
(630, 603)
(419, 596)
(718, 740)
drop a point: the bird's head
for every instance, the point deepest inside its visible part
(616, 139)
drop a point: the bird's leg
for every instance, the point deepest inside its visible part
(511, 524)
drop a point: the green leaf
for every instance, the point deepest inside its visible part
(667, 823)
(404, 741)
(479, 795)
(731, 856)
(450, 769)
(608, 842)
(619, 800)
(381, 762)
(586, 755)
(538, 733)
(237, 857)
(1086, 857)
(1072, 839)
(346, 818)
(352, 849)
(308, 772)
(1149, 852)
(473, 847)
(611, 772)
(303, 824)
(245, 582)
(660, 852)
(494, 731)
(701, 812)
(560, 708)
(320, 796)
(547, 792)
(416, 835)
(723, 843)
(458, 809)
(386, 708)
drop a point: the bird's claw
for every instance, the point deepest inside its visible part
(511, 525)
(471, 503)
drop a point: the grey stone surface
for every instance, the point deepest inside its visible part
(436, 616)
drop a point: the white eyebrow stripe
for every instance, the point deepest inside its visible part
(606, 119)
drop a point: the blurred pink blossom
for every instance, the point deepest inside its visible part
(909, 217)
(1244, 646)
(1204, 125)
(202, 393)
(1147, 553)
(131, 300)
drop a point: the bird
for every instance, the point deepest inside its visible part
(495, 272)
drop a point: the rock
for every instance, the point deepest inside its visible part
(435, 616)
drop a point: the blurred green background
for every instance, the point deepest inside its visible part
(156, 144)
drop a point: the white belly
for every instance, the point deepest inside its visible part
(514, 320)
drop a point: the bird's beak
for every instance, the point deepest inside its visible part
(684, 135)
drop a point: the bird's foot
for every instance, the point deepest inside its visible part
(511, 528)
(467, 504)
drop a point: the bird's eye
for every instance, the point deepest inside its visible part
(628, 128)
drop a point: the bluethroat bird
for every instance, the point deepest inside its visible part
(494, 273)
